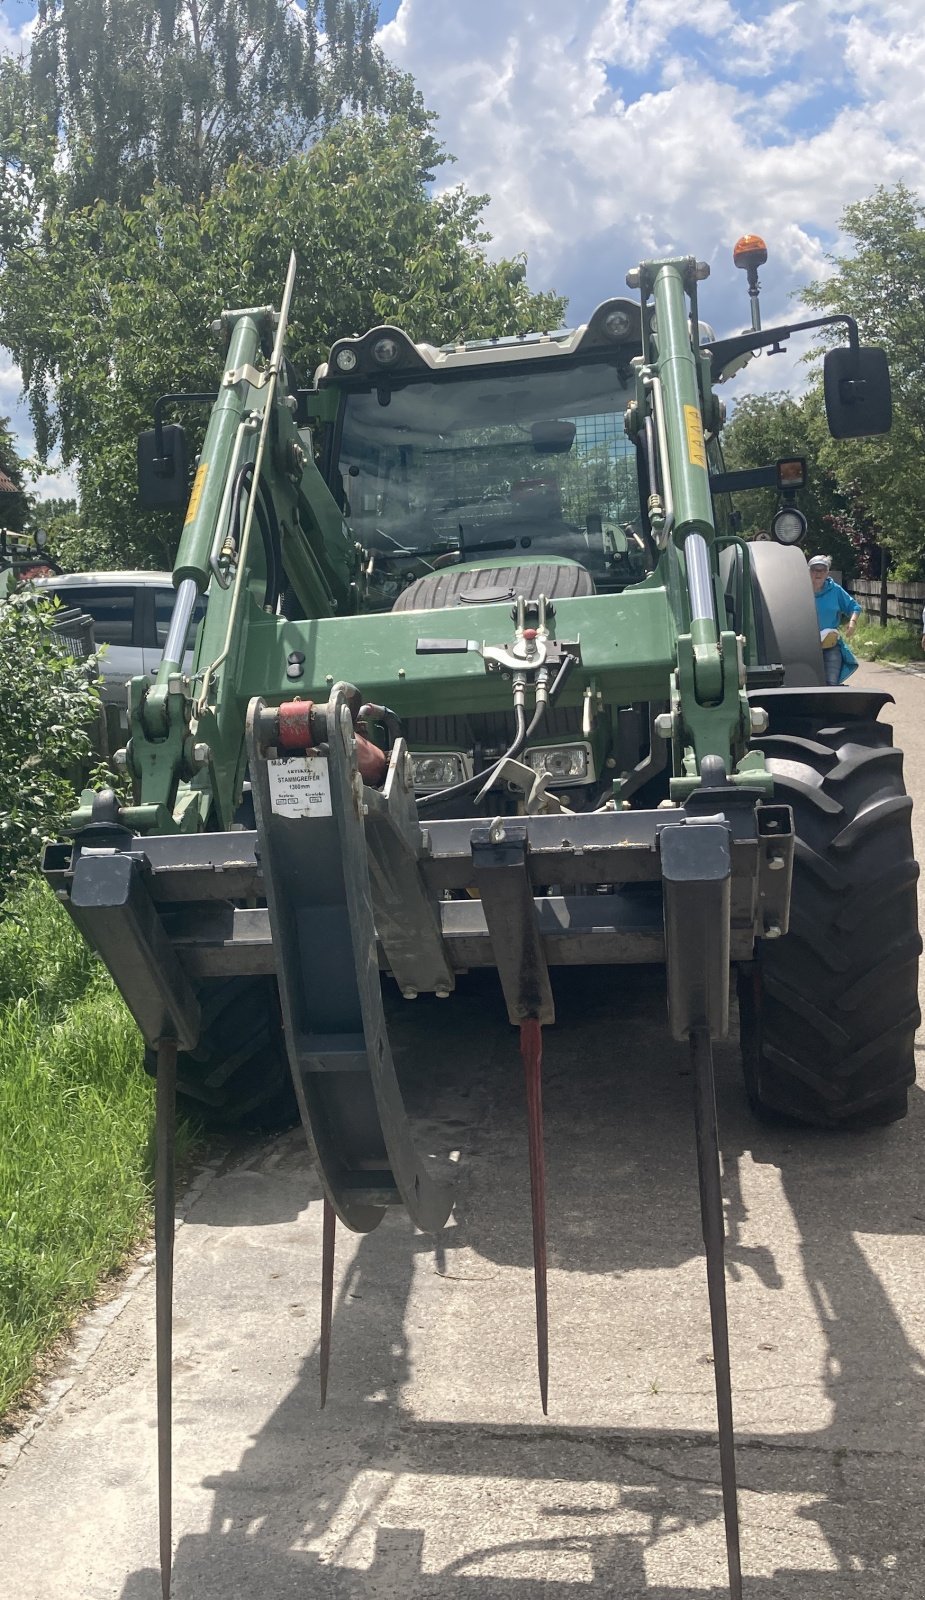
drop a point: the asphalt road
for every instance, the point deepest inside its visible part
(432, 1473)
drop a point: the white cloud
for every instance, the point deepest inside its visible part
(16, 41)
(10, 381)
(47, 483)
(611, 129)
(59, 484)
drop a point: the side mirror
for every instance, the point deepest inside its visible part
(858, 401)
(163, 478)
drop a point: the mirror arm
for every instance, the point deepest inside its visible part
(722, 351)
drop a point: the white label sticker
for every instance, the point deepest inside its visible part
(300, 786)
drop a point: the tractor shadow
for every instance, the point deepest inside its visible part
(379, 1496)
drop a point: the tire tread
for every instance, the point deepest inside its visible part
(829, 1013)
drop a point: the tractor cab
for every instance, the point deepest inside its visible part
(483, 469)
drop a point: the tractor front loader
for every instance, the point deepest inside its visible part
(488, 678)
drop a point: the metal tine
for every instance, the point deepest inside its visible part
(531, 1050)
(329, 1224)
(714, 1236)
(164, 1225)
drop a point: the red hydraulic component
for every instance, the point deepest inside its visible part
(372, 762)
(295, 725)
(531, 1050)
(297, 732)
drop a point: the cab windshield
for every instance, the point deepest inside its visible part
(493, 461)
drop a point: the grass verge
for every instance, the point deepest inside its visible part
(76, 1114)
(898, 641)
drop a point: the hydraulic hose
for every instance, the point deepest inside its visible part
(538, 715)
(267, 524)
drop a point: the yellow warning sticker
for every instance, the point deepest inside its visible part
(199, 485)
(695, 446)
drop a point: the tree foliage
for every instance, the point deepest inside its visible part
(50, 705)
(882, 285)
(15, 503)
(177, 90)
(114, 306)
(767, 428)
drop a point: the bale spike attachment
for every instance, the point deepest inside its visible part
(501, 872)
(696, 877)
(711, 1213)
(531, 1050)
(165, 1117)
(329, 1225)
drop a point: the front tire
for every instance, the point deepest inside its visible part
(238, 1075)
(829, 1012)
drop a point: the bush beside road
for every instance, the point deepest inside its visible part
(896, 642)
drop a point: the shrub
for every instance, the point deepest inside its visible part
(49, 704)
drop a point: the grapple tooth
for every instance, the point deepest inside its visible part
(165, 1133)
(531, 1050)
(329, 1224)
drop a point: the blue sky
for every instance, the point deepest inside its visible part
(608, 130)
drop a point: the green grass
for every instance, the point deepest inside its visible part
(76, 1114)
(898, 641)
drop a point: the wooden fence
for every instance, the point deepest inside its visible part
(904, 601)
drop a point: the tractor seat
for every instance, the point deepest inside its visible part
(479, 586)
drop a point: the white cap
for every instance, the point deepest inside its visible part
(820, 561)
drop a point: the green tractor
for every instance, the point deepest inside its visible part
(488, 678)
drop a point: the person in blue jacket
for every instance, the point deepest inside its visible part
(834, 605)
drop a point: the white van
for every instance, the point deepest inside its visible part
(131, 614)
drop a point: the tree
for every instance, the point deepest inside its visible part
(767, 428)
(51, 704)
(116, 306)
(882, 285)
(56, 523)
(178, 90)
(15, 503)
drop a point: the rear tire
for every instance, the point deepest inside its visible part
(238, 1075)
(829, 1012)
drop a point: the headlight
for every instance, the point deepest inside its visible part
(345, 360)
(564, 763)
(439, 769)
(618, 324)
(788, 525)
(386, 351)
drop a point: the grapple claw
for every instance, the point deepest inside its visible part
(531, 1049)
(329, 1224)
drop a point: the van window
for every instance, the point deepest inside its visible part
(112, 610)
(163, 611)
